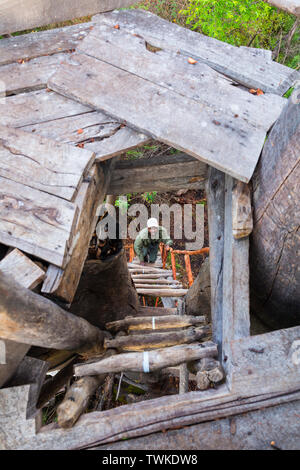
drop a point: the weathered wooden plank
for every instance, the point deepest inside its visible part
(41, 106)
(35, 222)
(123, 140)
(215, 191)
(41, 163)
(236, 314)
(209, 136)
(172, 71)
(155, 311)
(100, 133)
(268, 362)
(151, 416)
(29, 318)
(291, 6)
(19, 15)
(168, 172)
(30, 75)
(235, 62)
(42, 43)
(63, 283)
(245, 431)
(22, 269)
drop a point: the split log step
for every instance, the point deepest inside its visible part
(163, 292)
(156, 286)
(155, 311)
(154, 323)
(157, 359)
(156, 340)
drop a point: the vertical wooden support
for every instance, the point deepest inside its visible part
(215, 193)
(236, 317)
(183, 369)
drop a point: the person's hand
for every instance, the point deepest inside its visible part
(169, 248)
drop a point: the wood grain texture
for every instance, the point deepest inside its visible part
(216, 138)
(163, 173)
(32, 319)
(237, 63)
(41, 163)
(215, 190)
(172, 71)
(275, 241)
(42, 43)
(37, 223)
(19, 15)
(22, 269)
(242, 221)
(268, 362)
(236, 314)
(63, 283)
(158, 359)
(152, 323)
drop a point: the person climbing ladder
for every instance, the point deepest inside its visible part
(147, 242)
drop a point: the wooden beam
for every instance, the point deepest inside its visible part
(29, 275)
(215, 191)
(150, 341)
(31, 319)
(19, 15)
(154, 323)
(158, 359)
(63, 283)
(236, 314)
(162, 292)
(165, 173)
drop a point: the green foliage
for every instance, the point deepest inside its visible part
(238, 22)
(149, 197)
(123, 204)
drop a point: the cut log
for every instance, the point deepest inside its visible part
(291, 6)
(275, 240)
(157, 359)
(155, 311)
(154, 323)
(31, 319)
(106, 291)
(198, 297)
(76, 400)
(157, 340)
(29, 275)
(162, 292)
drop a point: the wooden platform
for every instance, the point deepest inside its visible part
(140, 72)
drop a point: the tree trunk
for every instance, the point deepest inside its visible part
(275, 241)
(106, 291)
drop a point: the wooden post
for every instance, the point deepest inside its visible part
(215, 190)
(236, 315)
(31, 319)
